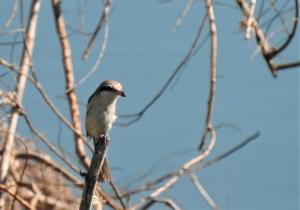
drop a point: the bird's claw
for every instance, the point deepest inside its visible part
(105, 137)
(83, 174)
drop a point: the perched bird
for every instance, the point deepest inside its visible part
(101, 114)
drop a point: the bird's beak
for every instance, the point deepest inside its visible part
(121, 93)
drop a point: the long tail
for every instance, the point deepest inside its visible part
(104, 175)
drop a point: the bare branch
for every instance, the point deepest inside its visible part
(22, 171)
(91, 178)
(191, 52)
(50, 146)
(250, 19)
(117, 193)
(13, 13)
(184, 13)
(203, 192)
(29, 41)
(166, 201)
(269, 52)
(99, 59)
(229, 152)
(18, 198)
(213, 72)
(45, 159)
(174, 176)
(69, 77)
(103, 20)
(8, 65)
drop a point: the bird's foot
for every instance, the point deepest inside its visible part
(105, 137)
(83, 173)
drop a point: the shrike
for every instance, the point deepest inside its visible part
(101, 114)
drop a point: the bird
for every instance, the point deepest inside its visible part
(100, 116)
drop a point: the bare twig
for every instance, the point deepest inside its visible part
(22, 171)
(191, 52)
(203, 192)
(229, 152)
(117, 193)
(213, 72)
(18, 198)
(250, 19)
(8, 65)
(44, 159)
(13, 13)
(69, 77)
(166, 201)
(98, 61)
(183, 14)
(29, 41)
(50, 146)
(150, 185)
(102, 21)
(174, 176)
(34, 80)
(269, 52)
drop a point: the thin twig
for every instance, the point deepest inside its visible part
(18, 198)
(174, 176)
(98, 61)
(191, 52)
(229, 152)
(29, 41)
(22, 171)
(102, 21)
(34, 80)
(150, 185)
(117, 193)
(213, 72)
(13, 13)
(183, 14)
(203, 192)
(250, 19)
(268, 51)
(166, 201)
(69, 80)
(44, 159)
(50, 146)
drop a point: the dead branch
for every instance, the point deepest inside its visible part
(8, 65)
(45, 159)
(29, 40)
(183, 14)
(191, 52)
(20, 178)
(99, 59)
(203, 192)
(69, 77)
(270, 52)
(102, 21)
(50, 146)
(174, 176)
(16, 197)
(229, 152)
(91, 178)
(13, 13)
(166, 201)
(151, 185)
(34, 80)
(213, 72)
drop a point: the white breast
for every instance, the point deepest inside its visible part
(100, 117)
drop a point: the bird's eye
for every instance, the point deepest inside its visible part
(107, 88)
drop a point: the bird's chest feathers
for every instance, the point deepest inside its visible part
(101, 115)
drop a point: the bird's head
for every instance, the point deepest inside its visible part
(110, 90)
